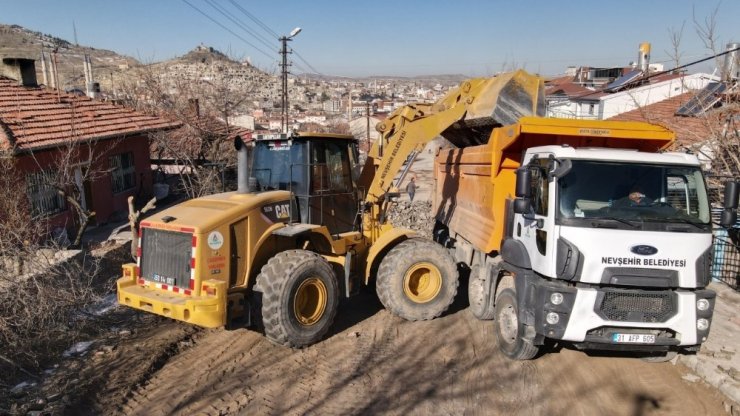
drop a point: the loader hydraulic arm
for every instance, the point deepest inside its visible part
(465, 116)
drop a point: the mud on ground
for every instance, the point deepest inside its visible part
(372, 363)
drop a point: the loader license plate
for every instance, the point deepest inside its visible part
(633, 338)
(162, 279)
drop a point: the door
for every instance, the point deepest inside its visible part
(238, 254)
(332, 200)
(535, 229)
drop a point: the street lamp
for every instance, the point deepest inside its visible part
(284, 101)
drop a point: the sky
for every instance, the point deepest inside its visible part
(393, 38)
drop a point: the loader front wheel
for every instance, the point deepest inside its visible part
(299, 298)
(417, 280)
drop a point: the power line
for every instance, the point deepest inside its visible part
(316, 71)
(255, 19)
(227, 29)
(241, 25)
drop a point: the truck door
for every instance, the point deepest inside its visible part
(535, 229)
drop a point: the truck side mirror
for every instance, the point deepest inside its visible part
(728, 218)
(732, 191)
(522, 206)
(523, 180)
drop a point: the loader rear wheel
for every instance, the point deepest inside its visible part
(299, 298)
(509, 330)
(417, 280)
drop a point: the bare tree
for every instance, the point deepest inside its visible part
(42, 286)
(204, 98)
(676, 35)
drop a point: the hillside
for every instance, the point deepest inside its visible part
(16, 41)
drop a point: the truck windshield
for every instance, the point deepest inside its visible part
(632, 193)
(272, 161)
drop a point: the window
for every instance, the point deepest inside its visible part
(44, 198)
(123, 173)
(539, 186)
(332, 170)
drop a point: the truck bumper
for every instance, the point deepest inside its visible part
(593, 317)
(207, 311)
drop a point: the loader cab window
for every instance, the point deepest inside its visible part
(280, 165)
(331, 169)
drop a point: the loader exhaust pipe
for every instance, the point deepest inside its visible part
(245, 184)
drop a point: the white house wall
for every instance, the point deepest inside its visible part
(624, 101)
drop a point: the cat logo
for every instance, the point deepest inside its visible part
(277, 212)
(282, 211)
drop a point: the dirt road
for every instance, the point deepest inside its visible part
(375, 363)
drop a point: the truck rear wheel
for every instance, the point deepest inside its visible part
(299, 300)
(481, 306)
(417, 280)
(509, 330)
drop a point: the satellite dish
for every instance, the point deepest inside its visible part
(295, 31)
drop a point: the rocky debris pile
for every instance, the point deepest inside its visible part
(417, 216)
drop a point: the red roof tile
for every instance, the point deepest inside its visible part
(689, 130)
(35, 117)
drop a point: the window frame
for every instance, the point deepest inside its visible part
(119, 173)
(43, 195)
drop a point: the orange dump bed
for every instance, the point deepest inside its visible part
(473, 183)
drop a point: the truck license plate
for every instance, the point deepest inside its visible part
(633, 338)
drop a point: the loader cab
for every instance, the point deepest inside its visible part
(317, 168)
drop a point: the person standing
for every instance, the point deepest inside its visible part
(411, 188)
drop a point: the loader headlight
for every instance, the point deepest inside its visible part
(702, 304)
(552, 318)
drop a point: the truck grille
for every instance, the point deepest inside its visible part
(166, 257)
(630, 306)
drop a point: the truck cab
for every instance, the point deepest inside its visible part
(618, 248)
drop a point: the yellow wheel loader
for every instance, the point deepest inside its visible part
(306, 227)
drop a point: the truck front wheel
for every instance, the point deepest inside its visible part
(299, 297)
(509, 330)
(417, 280)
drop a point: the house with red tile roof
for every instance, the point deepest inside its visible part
(104, 146)
(709, 129)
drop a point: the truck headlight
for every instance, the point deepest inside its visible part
(552, 318)
(556, 298)
(702, 304)
(702, 324)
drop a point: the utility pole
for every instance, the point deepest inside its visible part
(284, 116)
(367, 128)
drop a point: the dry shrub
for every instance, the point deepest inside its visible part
(43, 286)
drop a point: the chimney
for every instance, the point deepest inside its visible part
(44, 68)
(731, 68)
(643, 60)
(53, 69)
(21, 69)
(92, 88)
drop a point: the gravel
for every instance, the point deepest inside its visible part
(417, 216)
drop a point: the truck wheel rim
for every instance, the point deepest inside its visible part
(508, 323)
(309, 302)
(422, 282)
